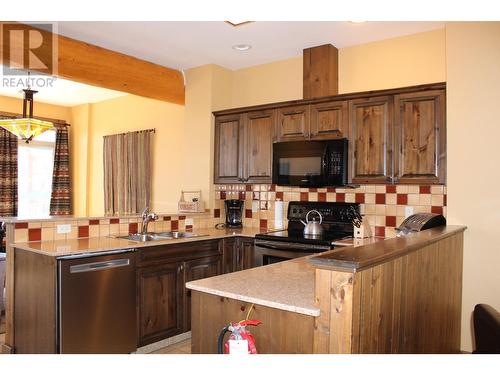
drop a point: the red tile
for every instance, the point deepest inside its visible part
(35, 234)
(321, 197)
(248, 187)
(189, 228)
(132, 228)
(380, 198)
(222, 195)
(248, 214)
(360, 198)
(182, 217)
(330, 190)
(272, 187)
(380, 231)
(304, 197)
(340, 197)
(216, 212)
(437, 210)
(390, 189)
(21, 225)
(114, 221)
(83, 231)
(93, 222)
(402, 199)
(279, 195)
(313, 190)
(390, 221)
(174, 225)
(425, 189)
(241, 195)
(445, 200)
(263, 223)
(166, 218)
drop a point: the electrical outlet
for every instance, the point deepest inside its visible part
(189, 221)
(408, 211)
(63, 228)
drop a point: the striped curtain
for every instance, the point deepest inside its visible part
(127, 172)
(60, 202)
(8, 173)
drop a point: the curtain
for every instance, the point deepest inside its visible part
(60, 202)
(8, 173)
(127, 172)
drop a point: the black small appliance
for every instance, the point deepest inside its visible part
(310, 163)
(234, 213)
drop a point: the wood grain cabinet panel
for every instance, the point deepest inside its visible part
(228, 149)
(293, 123)
(371, 139)
(259, 135)
(195, 270)
(420, 137)
(245, 254)
(160, 292)
(330, 120)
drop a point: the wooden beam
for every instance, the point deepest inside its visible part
(86, 63)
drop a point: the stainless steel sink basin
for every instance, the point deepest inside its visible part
(159, 236)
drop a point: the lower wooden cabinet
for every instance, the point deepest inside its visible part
(164, 303)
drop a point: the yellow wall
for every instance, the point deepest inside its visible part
(473, 82)
(130, 113)
(79, 142)
(56, 112)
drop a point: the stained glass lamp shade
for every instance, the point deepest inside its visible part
(26, 128)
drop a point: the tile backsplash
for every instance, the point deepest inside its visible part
(384, 206)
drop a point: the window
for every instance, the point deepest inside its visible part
(35, 166)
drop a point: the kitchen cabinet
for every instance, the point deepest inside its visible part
(238, 254)
(160, 299)
(420, 139)
(330, 120)
(293, 123)
(371, 139)
(228, 166)
(197, 269)
(244, 146)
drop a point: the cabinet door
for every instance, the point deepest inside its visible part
(195, 270)
(420, 137)
(371, 139)
(259, 136)
(244, 254)
(160, 290)
(293, 123)
(229, 246)
(228, 149)
(330, 120)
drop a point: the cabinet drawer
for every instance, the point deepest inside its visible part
(178, 252)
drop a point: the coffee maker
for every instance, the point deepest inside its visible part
(234, 213)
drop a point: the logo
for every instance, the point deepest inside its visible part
(28, 48)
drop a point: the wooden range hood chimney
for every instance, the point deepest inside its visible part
(320, 71)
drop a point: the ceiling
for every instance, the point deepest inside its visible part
(187, 44)
(63, 92)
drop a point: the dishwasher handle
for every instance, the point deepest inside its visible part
(98, 266)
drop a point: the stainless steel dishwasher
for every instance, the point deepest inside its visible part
(97, 303)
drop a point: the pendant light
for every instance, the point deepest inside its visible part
(27, 127)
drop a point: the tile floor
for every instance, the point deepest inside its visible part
(183, 347)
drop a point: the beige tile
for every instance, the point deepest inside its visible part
(413, 199)
(93, 231)
(83, 222)
(48, 224)
(370, 209)
(390, 210)
(295, 196)
(104, 230)
(35, 224)
(21, 235)
(402, 189)
(370, 198)
(425, 199)
(390, 198)
(114, 229)
(380, 209)
(350, 197)
(437, 200)
(380, 221)
(390, 232)
(73, 234)
(330, 197)
(313, 197)
(400, 210)
(47, 234)
(399, 220)
(380, 189)
(413, 189)
(370, 188)
(437, 189)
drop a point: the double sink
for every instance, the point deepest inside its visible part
(138, 237)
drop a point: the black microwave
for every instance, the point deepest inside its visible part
(310, 163)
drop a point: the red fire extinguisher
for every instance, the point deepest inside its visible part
(239, 340)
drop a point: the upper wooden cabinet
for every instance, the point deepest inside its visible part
(293, 123)
(371, 139)
(228, 149)
(259, 135)
(244, 146)
(420, 139)
(330, 120)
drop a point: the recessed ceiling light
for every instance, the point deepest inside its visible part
(237, 23)
(242, 47)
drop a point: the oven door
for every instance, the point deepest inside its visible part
(268, 252)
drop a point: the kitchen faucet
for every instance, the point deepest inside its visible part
(146, 218)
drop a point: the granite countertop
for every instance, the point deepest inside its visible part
(59, 248)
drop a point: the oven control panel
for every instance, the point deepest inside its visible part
(330, 211)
